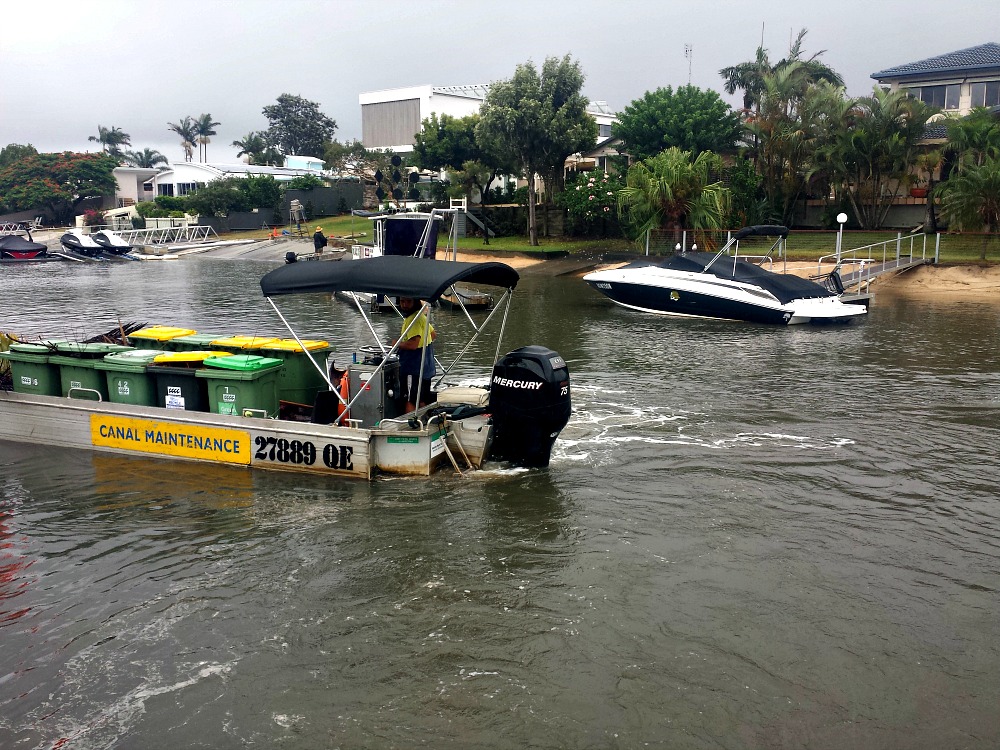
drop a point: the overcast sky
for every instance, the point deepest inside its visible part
(68, 66)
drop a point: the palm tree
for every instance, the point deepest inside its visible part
(672, 190)
(204, 127)
(258, 149)
(146, 159)
(974, 138)
(970, 200)
(749, 76)
(111, 139)
(252, 145)
(187, 130)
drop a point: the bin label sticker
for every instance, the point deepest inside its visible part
(25, 380)
(174, 402)
(173, 390)
(168, 439)
(123, 389)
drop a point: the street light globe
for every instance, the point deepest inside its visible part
(841, 218)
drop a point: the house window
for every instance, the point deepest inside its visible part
(147, 187)
(605, 130)
(165, 189)
(186, 188)
(942, 97)
(986, 94)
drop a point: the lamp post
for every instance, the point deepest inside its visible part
(841, 219)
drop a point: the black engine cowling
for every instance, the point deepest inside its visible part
(530, 404)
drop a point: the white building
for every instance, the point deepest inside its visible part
(184, 177)
(390, 119)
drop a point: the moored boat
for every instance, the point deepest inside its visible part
(413, 234)
(721, 285)
(16, 249)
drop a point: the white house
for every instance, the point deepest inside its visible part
(390, 119)
(182, 178)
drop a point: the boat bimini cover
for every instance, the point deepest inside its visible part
(392, 275)
(784, 286)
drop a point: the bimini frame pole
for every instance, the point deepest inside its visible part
(322, 371)
(501, 304)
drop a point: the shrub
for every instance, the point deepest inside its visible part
(591, 200)
(92, 217)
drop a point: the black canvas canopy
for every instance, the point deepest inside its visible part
(784, 286)
(16, 243)
(396, 276)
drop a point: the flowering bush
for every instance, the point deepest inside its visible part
(93, 218)
(591, 202)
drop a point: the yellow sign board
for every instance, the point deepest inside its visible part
(169, 439)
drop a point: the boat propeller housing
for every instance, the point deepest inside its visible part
(530, 404)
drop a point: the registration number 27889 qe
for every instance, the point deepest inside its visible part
(302, 452)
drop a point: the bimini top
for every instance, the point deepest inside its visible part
(393, 275)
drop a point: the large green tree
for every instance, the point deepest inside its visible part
(690, 119)
(449, 143)
(57, 182)
(674, 190)
(296, 126)
(13, 152)
(537, 119)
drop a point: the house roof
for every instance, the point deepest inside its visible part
(983, 57)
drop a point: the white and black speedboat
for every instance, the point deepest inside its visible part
(720, 285)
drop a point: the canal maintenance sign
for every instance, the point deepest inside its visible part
(168, 439)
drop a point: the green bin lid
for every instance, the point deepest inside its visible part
(133, 356)
(243, 362)
(24, 348)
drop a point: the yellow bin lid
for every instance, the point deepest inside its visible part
(291, 345)
(160, 333)
(245, 342)
(169, 357)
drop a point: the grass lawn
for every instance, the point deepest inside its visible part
(801, 244)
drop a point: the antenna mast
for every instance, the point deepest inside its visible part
(689, 54)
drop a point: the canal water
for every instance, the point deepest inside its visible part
(748, 537)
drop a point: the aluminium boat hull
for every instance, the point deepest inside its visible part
(153, 432)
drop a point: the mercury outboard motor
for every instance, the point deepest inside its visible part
(530, 404)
